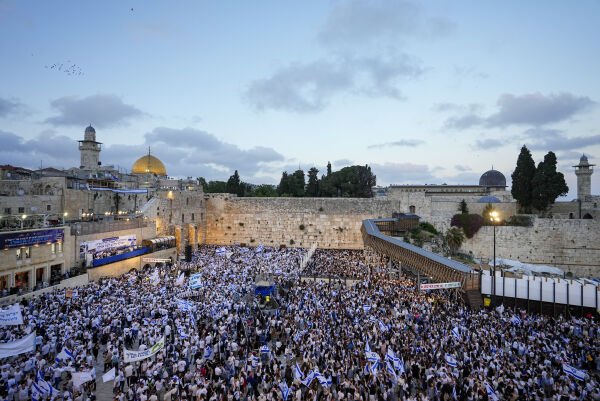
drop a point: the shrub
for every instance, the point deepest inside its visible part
(241, 224)
(301, 227)
(520, 220)
(470, 223)
(252, 240)
(292, 242)
(428, 227)
(320, 209)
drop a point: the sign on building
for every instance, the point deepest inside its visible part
(156, 260)
(103, 247)
(439, 286)
(30, 238)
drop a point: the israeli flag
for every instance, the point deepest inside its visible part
(515, 320)
(366, 308)
(576, 373)
(450, 360)
(383, 327)
(374, 368)
(367, 347)
(372, 319)
(401, 368)
(259, 248)
(456, 333)
(182, 333)
(208, 351)
(454, 395)
(297, 336)
(390, 369)
(322, 379)
(221, 251)
(64, 355)
(163, 290)
(43, 387)
(298, 373)
(255, 360)
(391, 357)
(265, 349)
(491, 392)
(285, 390)
(308, 379)
(373, 357)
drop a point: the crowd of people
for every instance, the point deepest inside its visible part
(374, 338)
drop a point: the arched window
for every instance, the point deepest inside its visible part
(412, 209)
(587, 216)
(571, 215)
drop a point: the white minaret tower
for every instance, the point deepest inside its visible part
(90, 150)
(584, 172)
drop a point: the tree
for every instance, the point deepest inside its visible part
(312, 188)
(202, 182)
(455, 238)
(298, 183)
(265, 191)
(284, 185)
(522, 180)
(216, 187)
(462, 207)
(328, 169)
(547, 184)
(486, 214)
(233, 183)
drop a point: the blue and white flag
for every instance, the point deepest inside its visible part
(259, 248)
(450, 360)
(265, 349)
(221, 251)
(576, 373)
(64, 355)
(308, 379)
(255, 360)
(391, 356)
(454, 395)
(373, 357)
(374, 368)
(366, 308)
(43, 388)
(182, 334)
(491, 392)
(208, 351)
(285, 390)
(401, 368)
(456, 333)
(298, 373)
(383, 327)
(515, 320)
(184, 305)
(390, 368)
(367, 347)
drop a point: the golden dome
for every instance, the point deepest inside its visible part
(149, 165)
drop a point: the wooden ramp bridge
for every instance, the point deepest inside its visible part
(430, 264)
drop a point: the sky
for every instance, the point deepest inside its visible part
(424, 92)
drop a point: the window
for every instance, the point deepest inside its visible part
(192, 216)
(20, 253)
(28, 252)
(182, 217)
(21, 210)
(48, 208)
(59, 247)
(412, 209)
(6, 210)
(53, 248)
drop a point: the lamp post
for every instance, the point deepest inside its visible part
(494, 218)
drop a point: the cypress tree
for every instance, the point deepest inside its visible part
(547, 184)
(522, 179)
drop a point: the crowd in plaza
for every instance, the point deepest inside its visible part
(372, 338)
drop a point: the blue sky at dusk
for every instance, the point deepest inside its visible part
(424, 92)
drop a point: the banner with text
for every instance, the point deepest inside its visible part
(18, 347)
(196, 281)
(11, 316)
(103, 247)
(439, 286)
(133, 356)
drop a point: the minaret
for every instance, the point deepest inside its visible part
(90, 150)
(584, 172)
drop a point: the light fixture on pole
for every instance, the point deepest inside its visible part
(495, 219)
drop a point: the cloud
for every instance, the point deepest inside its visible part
(409, 143)
(460, 167)
(308, 87)
(489, 143)
(47, 147)
(555, 140)
(534, 109)
(401, 173)
(575, 156)
(359, 22)
(102, 110)
(195, 148)
(8, 106)
(342, 163)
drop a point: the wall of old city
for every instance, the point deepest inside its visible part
(298, 222)
(572, 245)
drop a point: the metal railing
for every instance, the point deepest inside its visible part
(95, 227)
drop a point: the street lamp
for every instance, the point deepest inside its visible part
(495, 219)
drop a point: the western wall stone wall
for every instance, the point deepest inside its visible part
(572, 245)
(293, 222)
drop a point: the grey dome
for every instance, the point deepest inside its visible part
(489, 199)
(90, 129)
(492, 178)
